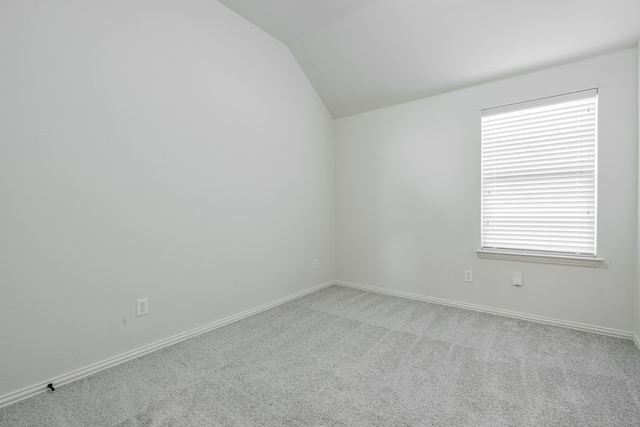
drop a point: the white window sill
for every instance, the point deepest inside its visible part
(547, 259)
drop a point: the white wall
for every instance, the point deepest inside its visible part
(168, 150)
(637, 324)
(408, 200)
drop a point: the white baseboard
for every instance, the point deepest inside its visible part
(14, 397)
(496, 311)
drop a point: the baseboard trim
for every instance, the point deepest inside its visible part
(33, 390)
(490, 310)
(636, 339)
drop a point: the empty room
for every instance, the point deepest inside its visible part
(336, 212)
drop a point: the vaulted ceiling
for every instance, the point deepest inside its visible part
(366, 54)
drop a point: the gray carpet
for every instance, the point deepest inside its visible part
(347, 357)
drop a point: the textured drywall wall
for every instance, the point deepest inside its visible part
(637, 303)
(168, 150)
(408, 200)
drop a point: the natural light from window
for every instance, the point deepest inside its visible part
(539, 176)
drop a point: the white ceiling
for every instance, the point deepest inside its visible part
(366, 54)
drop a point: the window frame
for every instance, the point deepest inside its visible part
(543, 256)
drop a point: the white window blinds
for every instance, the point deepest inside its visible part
(539, 177)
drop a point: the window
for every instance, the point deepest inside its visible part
(539, 177)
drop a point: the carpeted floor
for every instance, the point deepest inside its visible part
(347, 357)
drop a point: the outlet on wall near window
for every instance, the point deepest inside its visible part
(142, 307)
(468, 276)
(516, 279)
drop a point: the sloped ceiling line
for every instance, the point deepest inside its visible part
(362, 55)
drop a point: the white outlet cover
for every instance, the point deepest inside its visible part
(468, 276)
(516, 279)
(142, 307)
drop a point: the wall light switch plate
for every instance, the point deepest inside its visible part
(314, 264)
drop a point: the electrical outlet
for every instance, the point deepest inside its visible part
(516, 279)
(314, 264)
(142, 307)
(468, 276)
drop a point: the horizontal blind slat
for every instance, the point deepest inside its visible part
(539, 176)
